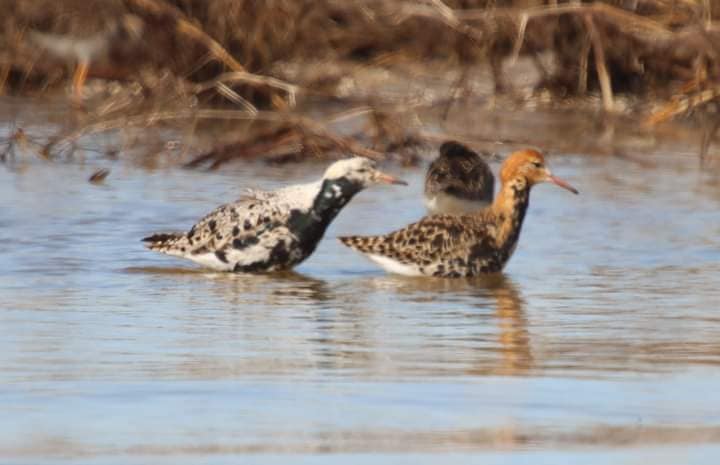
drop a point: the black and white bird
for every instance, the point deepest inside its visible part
(458, 181)
(271, 231)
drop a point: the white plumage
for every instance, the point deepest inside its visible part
(271, 230)
(394, 266)
(444, 203)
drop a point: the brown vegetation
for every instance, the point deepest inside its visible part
(199, 60)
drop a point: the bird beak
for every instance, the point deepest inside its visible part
(384, 178)
(557, 181)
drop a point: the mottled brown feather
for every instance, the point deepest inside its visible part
(460, 172)
(464, 245)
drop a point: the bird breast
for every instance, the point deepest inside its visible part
(443, 203)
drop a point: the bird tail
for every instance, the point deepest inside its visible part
(364, 244)
(168, 243)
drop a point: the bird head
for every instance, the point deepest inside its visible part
(530, 165)
(359, 171)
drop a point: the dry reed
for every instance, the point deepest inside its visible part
(213, 60)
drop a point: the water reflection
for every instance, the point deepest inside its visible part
(244, 289)
(239, 325)
(612, 298)
(514, 338)
(481, 350)
(295, 324)
(272, 289)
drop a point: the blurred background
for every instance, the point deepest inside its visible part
(287, 80)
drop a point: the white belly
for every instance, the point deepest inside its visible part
(443, 203)
(210, 260)
(394, 266)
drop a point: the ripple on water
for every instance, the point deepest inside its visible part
(602, 332)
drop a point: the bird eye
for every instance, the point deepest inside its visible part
(537, 164)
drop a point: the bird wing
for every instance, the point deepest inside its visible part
(432, 239)
(241, 223)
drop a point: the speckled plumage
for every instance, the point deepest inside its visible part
(463, 245)
(270, 231)
(458, 181)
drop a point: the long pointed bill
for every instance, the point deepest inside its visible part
(384, 178)
(561, 183)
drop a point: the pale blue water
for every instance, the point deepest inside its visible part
(600, 344)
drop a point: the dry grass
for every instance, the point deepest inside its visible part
(202, 60)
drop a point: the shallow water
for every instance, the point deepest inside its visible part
(600, 343)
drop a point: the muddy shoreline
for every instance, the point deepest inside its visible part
(412, 118)
(204, 84)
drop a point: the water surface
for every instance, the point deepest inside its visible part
(600, 342)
